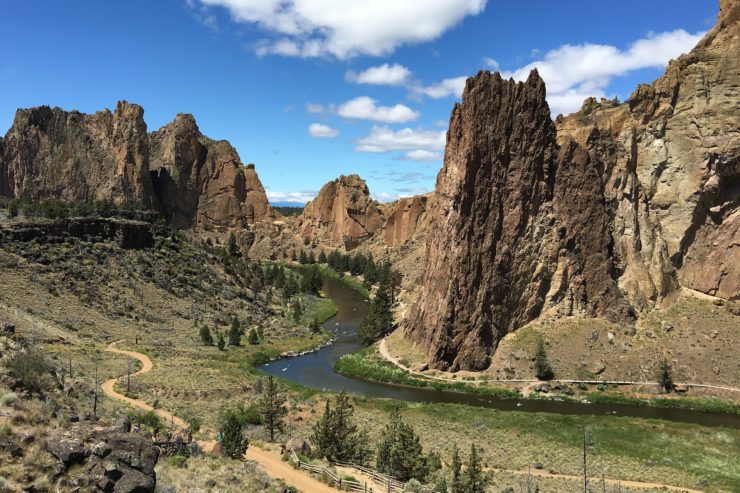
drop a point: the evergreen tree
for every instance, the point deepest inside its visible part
(303, 259)
(311, 257)
(474, 477)
(458, 483)
(543, 370)
(235, 333)
(337, 436)
(205, 336)
(289, 288)
(665, 376)
(221, 342)
(233, 442)
(312, 281)
(272, 408)
(400, 452)
(379, 320)
(232, 247)
(297, 312)
(253, 338)
(322, 257)
(315, 325)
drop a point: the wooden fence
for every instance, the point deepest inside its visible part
(387, 483)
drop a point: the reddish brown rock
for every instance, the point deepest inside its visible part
(518, 227)
(50, 153)
(201, 182)
(406, 217)
(342, 214)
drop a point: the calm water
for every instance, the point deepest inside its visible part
(316, 370)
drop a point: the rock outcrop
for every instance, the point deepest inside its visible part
(343, 214)
(606, 212)
(69, 156)
(671, 168)
(201, 182)
(518, 226)
(66, 155)
(106, 460)
(406, 217)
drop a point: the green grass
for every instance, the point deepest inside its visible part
(693, 404)
(358, 365)
(325, 310)
(349, 281)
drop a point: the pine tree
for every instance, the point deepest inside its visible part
(297, 312)
(205, 336)
(272, 408)
(233, 442)
(665, 376)
(221, 342)
(315, 325)
(458, 483)
(379, 320)
(474, 478)
(322, 257)
(235, 333)
(253, 338)
(400, 452)
(232, 247)
(337, 437)
(543, 370)
(303, 259)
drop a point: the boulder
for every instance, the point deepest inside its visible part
(298, 445)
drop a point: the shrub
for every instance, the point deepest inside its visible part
(30, 368)
(8, 399)
(179, 461)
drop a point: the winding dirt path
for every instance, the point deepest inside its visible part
(386, 355)
(271, 462)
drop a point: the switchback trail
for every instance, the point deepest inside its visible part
(270, 461)
(275, 467)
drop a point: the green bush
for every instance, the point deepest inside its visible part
(31, 369)
(179, 461)
(8, 399)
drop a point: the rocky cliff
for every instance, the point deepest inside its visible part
(50, 153)
(671, 168)
(606, 212)
(405, 218)
(54, 154)
(342, 214)
(201, 182)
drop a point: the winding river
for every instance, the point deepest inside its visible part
(316, 370)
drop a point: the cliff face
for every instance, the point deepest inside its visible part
(200, 182)
(517, 227)
(343, 213)
(406, 217)
(606, 212)
(66, 155)
(671, 159)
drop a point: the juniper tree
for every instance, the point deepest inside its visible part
(233, 442)
(205, 336)
(543, 370)
(665, 376)
(253, 338)
(474, 477)
(235, 333)
(272, 408)
(232, 247)
(458, 482)
(297, 312)
(221, 342)
(337, 436)
(400, 452)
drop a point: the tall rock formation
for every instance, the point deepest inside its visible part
(671, 159)
(518, 226)
(406, 217)
(66, 155)
(605, 213)
(201, 182)
(70, 156)
(343, 213)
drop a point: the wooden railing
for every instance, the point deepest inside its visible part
(388, 484)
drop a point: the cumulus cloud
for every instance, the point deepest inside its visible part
(344, 29)
(385, 75)
(321, 131)
(422, 155)
(383, 139)
(574, 72)
(365, 108)
(301, 197)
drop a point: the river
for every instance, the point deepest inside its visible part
(316, 370)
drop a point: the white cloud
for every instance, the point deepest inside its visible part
(422, 155)
(315, 108)
(301, 197)
(383, 139)
(386, 75)
(574, 72)
(365, 108)
(321, 131)
(448, 87)
(490, 63)
(344, 29)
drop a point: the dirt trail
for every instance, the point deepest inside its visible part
(386, 355)
(270, 461)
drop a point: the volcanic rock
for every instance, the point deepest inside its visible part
(408, 215)
(343, 213)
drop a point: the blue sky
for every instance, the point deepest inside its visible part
(311, 89)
